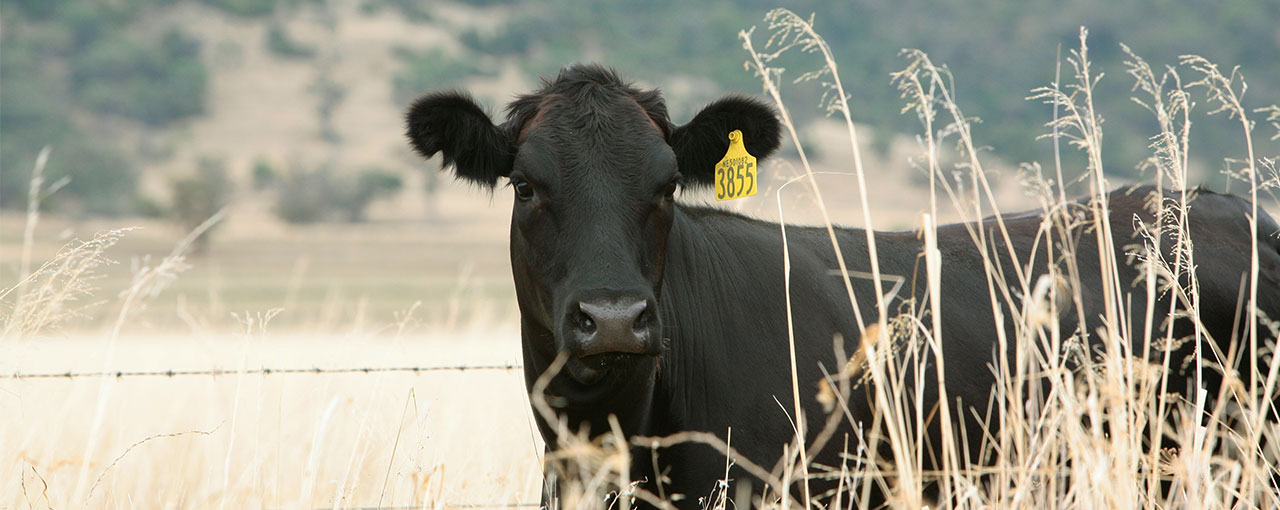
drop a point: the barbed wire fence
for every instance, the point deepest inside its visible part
(216, 372)
(265, 371)
(444, 505)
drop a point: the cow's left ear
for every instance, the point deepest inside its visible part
(702, 143)
(452, 124)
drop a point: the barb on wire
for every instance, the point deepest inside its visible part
(441, 505)
(257, 371)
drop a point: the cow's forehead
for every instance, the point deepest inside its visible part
(598, 138)
(603, 119)
(601, 162)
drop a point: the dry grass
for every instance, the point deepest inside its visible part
(332, 277)
(1047, 456)
(429, 440)
(278, 441)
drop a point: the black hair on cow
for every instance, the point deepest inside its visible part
(701, 143)
(583, 84)
(452, 124)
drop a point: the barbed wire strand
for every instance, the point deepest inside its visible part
(119, 374)
(282, 371)
(445, 505)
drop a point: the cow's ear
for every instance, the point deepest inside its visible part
(452, 124)
(702, 143)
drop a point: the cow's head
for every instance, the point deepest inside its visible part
(593, 165)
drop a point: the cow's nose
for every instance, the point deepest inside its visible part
(613, 326)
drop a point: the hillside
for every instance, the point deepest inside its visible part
(137, 93)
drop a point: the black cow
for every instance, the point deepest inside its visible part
(673, 317)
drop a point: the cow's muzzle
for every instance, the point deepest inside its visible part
(606, 333)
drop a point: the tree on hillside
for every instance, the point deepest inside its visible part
(329, 96)
(197, 197)
(321, 195)
(157, 82)
(430, 188)
(369, 185)
(35, 113)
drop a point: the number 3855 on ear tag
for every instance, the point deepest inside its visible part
(736, 172)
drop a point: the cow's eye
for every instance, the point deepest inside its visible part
(669, 193)
(524, 190)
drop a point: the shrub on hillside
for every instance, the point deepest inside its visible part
(303, 196)
(264, 175)
(329, 95)
(428, 70)
(514, 39)
(34, 114)
(323, 195)
(197, 197)
(486, 3)
(245, 7)
(412, 10)
(156, 83)
(369, 185)
(101, 180)
(280, 42)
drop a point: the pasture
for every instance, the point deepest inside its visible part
(279, 440)
(268, 441)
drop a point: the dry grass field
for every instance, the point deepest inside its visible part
(358, 440)
(385, 294)
(324, 277)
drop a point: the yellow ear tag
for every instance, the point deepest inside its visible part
(736, 172)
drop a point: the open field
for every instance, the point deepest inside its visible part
(389, 293)
(267, 441)
(322, 277)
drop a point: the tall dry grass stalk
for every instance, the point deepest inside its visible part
(1068, 427)
(53, 293)
(1045, 455)
(148, 282)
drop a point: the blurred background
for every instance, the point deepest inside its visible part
(340, 247)
(161, 112)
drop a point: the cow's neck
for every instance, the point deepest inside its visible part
(721, 298)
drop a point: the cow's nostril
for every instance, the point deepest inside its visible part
(642, 321)
(586, 323)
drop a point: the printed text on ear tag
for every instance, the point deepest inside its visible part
(736, 173)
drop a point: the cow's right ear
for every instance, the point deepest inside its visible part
(701, 143)
(452, 124)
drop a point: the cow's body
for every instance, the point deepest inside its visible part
(727, 364)
(606, 265)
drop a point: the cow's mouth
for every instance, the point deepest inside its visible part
(591, 369)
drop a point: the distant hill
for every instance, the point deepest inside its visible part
(132, 92)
